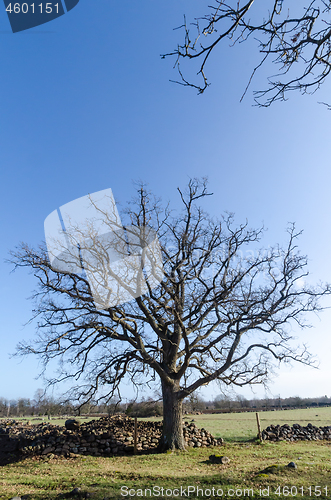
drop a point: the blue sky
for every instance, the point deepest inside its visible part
(86, 104)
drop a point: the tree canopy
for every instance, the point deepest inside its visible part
(294, 35)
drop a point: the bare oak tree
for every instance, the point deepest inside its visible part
(296, 36)
(223, 311)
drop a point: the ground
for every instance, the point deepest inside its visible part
(129, 477)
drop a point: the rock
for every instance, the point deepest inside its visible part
(72, 424)
(102, 437)
(47, 450)
(76, 491)
(296, 433)
(292, 465)
(219, 459)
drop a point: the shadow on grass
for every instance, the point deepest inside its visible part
(9, 458)
(10, 453)
(134, 485)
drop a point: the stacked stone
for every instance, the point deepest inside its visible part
(9, 426)
(296, 433)
(199, 437)
(103, 437)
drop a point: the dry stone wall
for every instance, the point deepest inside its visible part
(103, 437)
(296, 433)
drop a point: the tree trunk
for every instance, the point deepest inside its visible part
(172, 437)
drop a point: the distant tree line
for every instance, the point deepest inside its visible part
(240, 402)
(43, 406)
(40, 405)
(234, 403)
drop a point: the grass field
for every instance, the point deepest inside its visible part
(104, 477)
(242, 426)
(234, 427)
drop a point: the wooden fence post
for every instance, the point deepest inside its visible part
(258, 427)
(135, 436)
